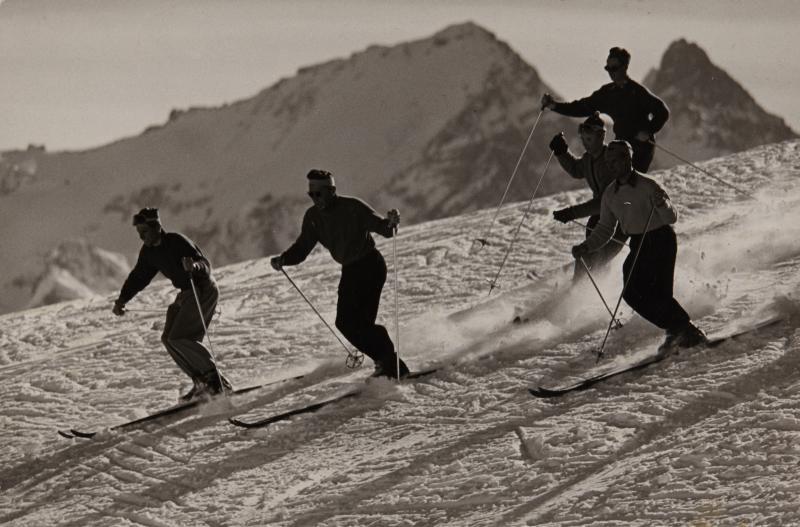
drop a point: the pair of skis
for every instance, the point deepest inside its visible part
(183, 407)
(585, 384)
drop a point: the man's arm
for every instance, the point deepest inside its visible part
(304, 244)
(200, 266)
(657, 108)
(139, 278)
(375, 223)
(581, 107)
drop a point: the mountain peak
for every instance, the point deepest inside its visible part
(682, 54)
(463, 30)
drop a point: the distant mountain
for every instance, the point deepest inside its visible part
(710, 113)
(75, 269)
(434, 126)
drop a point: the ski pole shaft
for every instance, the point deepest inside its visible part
(485, 238)
(349, 353)
(208, 337)
(396, 305)
(625, 285)
(706, 172)
(591, 229)
(493, 283)
(596, 288)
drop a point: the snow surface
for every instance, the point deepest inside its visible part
(709, 437)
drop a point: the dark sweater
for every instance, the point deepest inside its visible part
(632, 107)
(343, 228)
(166, 258)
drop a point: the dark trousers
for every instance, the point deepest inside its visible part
(643, 153)
(183, 330)
(360, 290)
(649, 290)
(599, 258)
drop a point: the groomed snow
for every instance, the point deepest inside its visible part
(709, 437)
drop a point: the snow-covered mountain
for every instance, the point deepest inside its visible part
(421, 118)
(75, 269)
(711, 114)
(708, 437)
(434, 127)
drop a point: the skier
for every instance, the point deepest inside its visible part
(343, 224)
(638, 114)
(178, 258)
(591, 167)
(643, 211)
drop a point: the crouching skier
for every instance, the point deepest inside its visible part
(178, 258)
(644, 212)
(343, 224)
(591, 167)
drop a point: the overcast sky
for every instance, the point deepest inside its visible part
(81, 73)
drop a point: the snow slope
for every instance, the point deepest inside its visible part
(709, 437)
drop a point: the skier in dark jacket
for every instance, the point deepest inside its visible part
(591, 167)
(643, 211)
(343, 225)
(178, 258)
(638, 114)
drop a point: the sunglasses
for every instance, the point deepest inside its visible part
(315, 194)
(612, 69)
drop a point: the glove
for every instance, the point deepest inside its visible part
(276, 262)
(119, 308)
(564, 215)
(190, 265)
(558, 144)
(580, 250)
(547, 101)
(393, 216)
(660, 199)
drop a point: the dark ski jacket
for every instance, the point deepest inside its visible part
(633, 108)
(344, 229)
(594, 172)
(166, 258)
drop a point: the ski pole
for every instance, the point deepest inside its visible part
(625, 285)
(354, 360)
(617, 323)
(396, 306)
(208, 337)
(591, 229)
(493, 283)
(706, 172)
(485, 239)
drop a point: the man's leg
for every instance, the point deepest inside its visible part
(360, 289)
(643, 153)
(187, 333)
(649, 290)
(177, 356)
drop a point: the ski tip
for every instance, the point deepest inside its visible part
(237, 422)
(66, 434)
(544, 393)
(84, 435)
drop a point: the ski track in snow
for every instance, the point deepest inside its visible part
(708, 437)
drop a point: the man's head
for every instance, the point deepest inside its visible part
(148, 225)
(593, 133)
(321, 188)
(617, 64)
(619, 155)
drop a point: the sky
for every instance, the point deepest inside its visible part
(82, 73)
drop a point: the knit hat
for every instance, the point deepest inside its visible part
(593, 123)
(146, 215)
(320, 178)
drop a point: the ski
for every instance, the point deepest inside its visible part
(588, 382)
(313, 407)
(172, 410)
